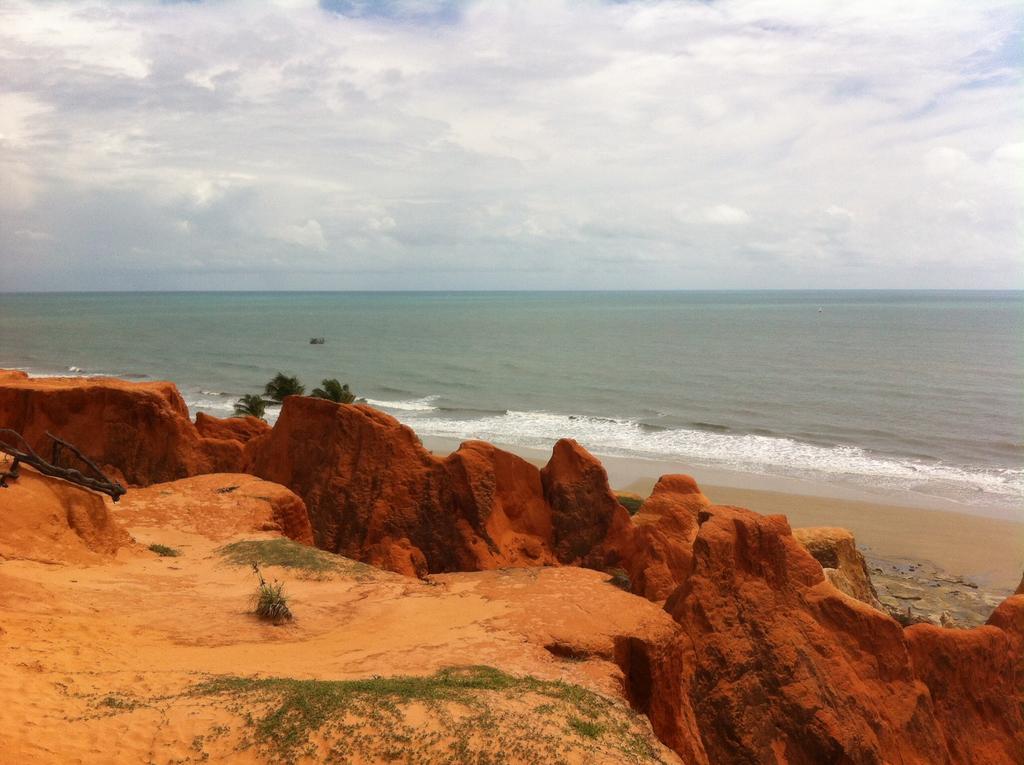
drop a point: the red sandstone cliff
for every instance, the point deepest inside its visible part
(374, 493)
(774, 665)
(234, 428)
(47, 520)
(139, 431)
(771, 664)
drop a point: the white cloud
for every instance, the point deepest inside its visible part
(309, 235)
(517, 143)
(33, 236)
(726, 215)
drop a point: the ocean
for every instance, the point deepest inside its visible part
(914, 391)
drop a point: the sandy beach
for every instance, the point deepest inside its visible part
(983, 545)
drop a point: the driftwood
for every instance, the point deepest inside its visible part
(14, 444)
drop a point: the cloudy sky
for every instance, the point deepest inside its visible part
(409, 144)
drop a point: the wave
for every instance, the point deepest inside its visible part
(742, 452)
(424, 404)
(210, 404)
(469, 410)
(698, 443)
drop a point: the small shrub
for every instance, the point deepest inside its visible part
(620, 578)
(164, 551)
(270, 602)
(631, 502)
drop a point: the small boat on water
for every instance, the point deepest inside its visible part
(316, 341)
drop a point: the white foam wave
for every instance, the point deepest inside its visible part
(210, 404)
(424, 404)
(749, 453)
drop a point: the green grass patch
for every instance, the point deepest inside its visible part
(164, 551)
(364, 719)
(586, 727)
(289, 554)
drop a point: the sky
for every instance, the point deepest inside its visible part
(555, 144)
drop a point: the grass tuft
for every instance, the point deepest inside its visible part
(269, 602)
(586, 728)
(164, 551)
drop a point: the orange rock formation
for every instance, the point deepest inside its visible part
(771, 663)
(843, 564)
(53, 521)
(138, 431)
(374, 493)
(234, 428)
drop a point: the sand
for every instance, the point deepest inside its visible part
(99, 659)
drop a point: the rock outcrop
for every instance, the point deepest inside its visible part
(975, 678)
(775, 665)
(140, 432)
(843, 564)
(584, 510)
(49, 520)
(233, 428)
(656, 550)
(374, 493)
(218, 506)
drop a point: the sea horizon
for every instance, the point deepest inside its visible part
(906, 391)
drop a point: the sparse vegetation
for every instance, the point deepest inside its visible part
(365, 719)
(269, 602)
(586, 727)
(288, 554)
(251, 405)
(164, 551)
(333, 390)
(282, 386)
(116, 701)
(620, 578)
(631, 502)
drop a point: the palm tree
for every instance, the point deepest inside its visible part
(282, 385)
(335, 391)
(250, 405)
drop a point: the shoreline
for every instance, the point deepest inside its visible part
(887, 525)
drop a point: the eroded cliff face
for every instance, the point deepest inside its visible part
(374, 493)
(844, 566)
(43, 519)
(233, 428)
(770, 663)
(140, 432)
(774, 665)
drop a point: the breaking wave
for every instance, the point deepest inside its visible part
(747, 452)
